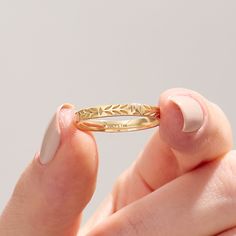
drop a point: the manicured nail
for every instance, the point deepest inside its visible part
(192, 112)
(52, 136)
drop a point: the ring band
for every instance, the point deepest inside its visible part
(86, 119)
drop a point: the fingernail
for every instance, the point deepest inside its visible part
(191, 110)
(52, 136)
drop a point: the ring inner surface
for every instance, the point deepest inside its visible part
(118, 125)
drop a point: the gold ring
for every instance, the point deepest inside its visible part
(86, 119)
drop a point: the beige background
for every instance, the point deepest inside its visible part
(105, 51)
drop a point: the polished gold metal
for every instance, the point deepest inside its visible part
(86, 119)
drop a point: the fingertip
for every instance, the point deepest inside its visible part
(191, 125)
(80, 140)
(184, 116)
(81, 143)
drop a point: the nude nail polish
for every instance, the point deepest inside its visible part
(52, 137)
(191, 110)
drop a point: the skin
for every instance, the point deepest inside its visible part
(180, 184)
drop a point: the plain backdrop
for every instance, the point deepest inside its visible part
(100, 52)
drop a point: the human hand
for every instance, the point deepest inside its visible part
(182, 183)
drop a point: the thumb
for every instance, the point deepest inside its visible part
(52, 192)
